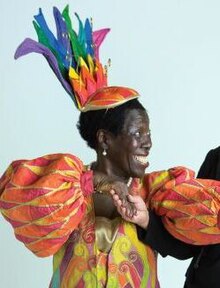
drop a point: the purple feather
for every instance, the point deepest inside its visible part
(29, 46)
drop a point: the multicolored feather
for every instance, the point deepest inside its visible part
(74, 58)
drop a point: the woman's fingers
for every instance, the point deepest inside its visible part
(112, 192)
(138, 202)
(134, 199)
(126, 204)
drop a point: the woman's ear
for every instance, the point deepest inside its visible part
(102, 139)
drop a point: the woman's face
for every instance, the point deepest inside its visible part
(128, 151)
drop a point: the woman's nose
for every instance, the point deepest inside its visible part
(146, 141)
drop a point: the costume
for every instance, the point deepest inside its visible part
(49, 200)
(49, 203)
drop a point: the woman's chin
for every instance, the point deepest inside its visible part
(140, 171)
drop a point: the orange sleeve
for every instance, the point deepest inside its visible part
(43, 199)
(189, 207)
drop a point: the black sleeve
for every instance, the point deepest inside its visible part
(210, 168)
(160, 240)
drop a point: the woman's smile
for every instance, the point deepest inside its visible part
(143, 160)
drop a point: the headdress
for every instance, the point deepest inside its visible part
(74, 58)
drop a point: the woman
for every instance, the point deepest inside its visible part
(58, 206)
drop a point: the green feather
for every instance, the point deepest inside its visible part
(81, 34)
(77, 48)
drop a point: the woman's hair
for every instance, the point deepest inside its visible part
(111, 120)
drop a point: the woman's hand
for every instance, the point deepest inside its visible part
(104, 184)
(141, 215)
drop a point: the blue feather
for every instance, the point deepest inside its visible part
(57, 47)
(88, 36)
(63, 38)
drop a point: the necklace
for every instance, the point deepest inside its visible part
(129, 181)
(101, 192)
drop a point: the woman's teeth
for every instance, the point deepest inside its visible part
(141, 159)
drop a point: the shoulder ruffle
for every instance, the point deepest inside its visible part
(43, 199)
(189, 207)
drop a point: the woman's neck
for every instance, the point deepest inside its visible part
(106, 169)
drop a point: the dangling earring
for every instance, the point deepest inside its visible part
(104, 153)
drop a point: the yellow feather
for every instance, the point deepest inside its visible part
(91, 64)
(73, 74)
(82, 63)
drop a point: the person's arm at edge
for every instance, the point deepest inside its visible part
(156, 236)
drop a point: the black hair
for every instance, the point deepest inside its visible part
(111, 120)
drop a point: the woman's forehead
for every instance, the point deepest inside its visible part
(135, 117)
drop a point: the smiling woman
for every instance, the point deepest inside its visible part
(59, 206)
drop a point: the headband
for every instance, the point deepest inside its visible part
(74, 58)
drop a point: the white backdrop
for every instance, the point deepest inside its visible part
(168, 50)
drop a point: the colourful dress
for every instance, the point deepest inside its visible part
(49, 203)
(81, 263)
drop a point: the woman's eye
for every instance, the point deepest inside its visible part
(137, 134)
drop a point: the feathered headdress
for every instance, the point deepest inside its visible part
(74, 58)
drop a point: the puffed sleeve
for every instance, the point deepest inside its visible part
(189, 207)
(43, 199)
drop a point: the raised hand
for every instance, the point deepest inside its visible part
(141, 215)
